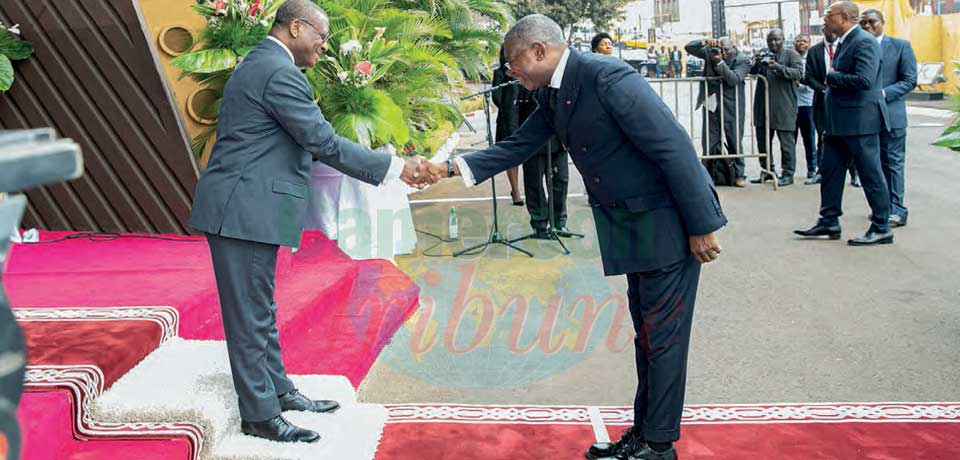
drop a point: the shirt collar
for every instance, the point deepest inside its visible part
(880, 38)
(277, 41)
(557, 78)
(844, 36)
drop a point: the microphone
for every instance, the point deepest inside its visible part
(490, 90)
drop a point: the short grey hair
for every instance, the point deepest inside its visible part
(536, 28)
(297, 9)
(849, 9)
(726, 42)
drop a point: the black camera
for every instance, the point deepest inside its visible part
(715, 51)
(766, 57)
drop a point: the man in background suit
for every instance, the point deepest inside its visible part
(781, 68)
(732, 68)
(856, 113)
(251, 200)
(653, 204)
(898, 76)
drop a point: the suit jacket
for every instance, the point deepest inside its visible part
(644, 181)
(733, 72)
(815, 77)
(256, 184)
(854, 96)
(782, 81)
(898, 76)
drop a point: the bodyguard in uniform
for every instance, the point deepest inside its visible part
(251, 200)
(654, 206)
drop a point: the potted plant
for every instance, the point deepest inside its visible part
(951, 136)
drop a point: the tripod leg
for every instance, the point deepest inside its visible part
(518, 249)
(556, 237)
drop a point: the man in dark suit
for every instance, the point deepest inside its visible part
(251, 200)
(898, 76)
(653, 204)
(856, 113)
(732, 69)
(781, 68)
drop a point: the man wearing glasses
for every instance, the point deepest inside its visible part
(898, 76)
(856, 113)
(251, 199)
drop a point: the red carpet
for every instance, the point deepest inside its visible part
(45, 421)
(335, 314)
(783, 432)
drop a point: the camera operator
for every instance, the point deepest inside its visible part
(721, 59)
(783, 68)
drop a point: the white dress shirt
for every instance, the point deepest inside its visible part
(396, 164)
(555, 82)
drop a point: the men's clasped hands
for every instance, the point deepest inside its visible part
(419, 172)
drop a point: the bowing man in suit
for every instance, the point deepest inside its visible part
(898, 76)
(856, 113)
(251, 200)
(653, 204)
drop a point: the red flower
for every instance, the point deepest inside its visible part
(363, 67)
(220, 7)
(254, 8)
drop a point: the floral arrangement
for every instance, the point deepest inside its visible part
(12, 48)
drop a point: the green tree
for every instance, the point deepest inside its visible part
(569, 12)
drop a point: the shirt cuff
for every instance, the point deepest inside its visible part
(396, 169)
(465, 172)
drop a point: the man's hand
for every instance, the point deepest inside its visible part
(413, 172)
(705, 248)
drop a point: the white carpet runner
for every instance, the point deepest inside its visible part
(189, 381)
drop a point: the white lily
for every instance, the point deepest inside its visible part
(15, 29)
(352, 46)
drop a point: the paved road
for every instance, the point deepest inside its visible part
(778, 320)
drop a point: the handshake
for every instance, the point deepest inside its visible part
(418, 172)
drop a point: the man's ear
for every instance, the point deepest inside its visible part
(539, 50)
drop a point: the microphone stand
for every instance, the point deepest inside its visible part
(495, 236)
(552, 232)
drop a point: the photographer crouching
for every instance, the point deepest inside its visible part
(783, 68)
(721, 59)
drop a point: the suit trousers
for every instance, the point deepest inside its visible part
(851, 166)
(714, 140)
(807, 131)
(865, 152)
(534, 172)
(661, 305)
(892, 158)
(246, 272)
(788, 150)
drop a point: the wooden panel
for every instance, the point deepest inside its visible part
(95, 77)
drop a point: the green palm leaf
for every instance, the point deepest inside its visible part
(6, 73)
(13, 47)
(206, 61)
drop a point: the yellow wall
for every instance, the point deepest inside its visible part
(160, 14)
(934, 38)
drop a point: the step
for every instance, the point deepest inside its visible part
(196, 387)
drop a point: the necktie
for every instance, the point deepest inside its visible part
(552, 97)
(830, 51)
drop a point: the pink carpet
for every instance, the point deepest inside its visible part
(335, 314)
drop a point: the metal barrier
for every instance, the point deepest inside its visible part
(684, 92)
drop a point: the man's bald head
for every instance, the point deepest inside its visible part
(775, 40)
(304, 28)
(533, 48)
(296, 9)
(848, 9)
(841, 17)
(535, 28)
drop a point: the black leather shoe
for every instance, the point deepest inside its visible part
(294, 400)
(278, 429)
(816, 179)
(763, 178)
(629, 443)
(785, 181)
(872, 238)
(897, 221)
(647, 453)
(831, 231)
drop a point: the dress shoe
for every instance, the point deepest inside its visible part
(816, 179)
(542, 234)
(872, 238)
(831, 231)
(294, 400)
(278, 429)
(785, 181)
(740, 182)
(647, 453)
(764, 177)
(629, 443)
(811, 173)
(897, 221)
(855, 181)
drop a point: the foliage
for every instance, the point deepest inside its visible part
(951, 136)
(12, 48)
(569, 12)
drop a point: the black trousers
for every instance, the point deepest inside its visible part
(788, 150)
(534, 172)
(852, 167)
(714, 141)
(245, 272)
(661, 304)
(865, 153)
(807, 131)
